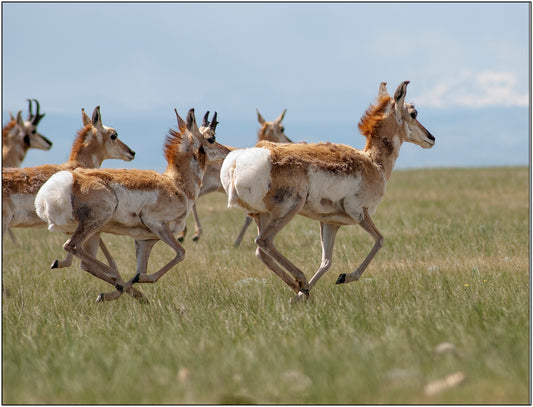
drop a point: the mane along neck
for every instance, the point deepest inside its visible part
(7, 129)
(85, 151)
(382, 133)
(183, 168)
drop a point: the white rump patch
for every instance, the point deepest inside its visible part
(53, 201)
(245, 176)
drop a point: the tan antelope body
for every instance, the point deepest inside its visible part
(270, 131)
(143, 204)
(332, 183)
(18, 136)
(93, 144)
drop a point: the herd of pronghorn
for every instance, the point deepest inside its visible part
(334, 184)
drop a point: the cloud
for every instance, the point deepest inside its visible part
(477, 90)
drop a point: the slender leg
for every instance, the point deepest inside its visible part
(12, 236)
(116, 294)
(76, 246)
(328, 232)
(269, 229)
(197, 226)
(181, 236)
(369, 226)
(166, 236)
(247, 222)
(265, 242)
(272, 265)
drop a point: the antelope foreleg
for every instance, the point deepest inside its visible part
(197, 226)
(166, 236)
(369, 226)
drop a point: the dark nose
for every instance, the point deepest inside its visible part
(132, 153)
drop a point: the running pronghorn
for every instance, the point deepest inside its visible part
(93, 144)
(334, 184)
(211, 180)
(269, 131)
(143, 204)
(18, 136)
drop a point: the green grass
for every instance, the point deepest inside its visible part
(219, 327)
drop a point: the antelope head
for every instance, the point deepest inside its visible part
(28, 129)
(406, 116)
(108, 143)
(272, 131)
(209, 129)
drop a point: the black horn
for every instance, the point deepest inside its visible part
(30, 114)
(205, 121)
(214, 122)
(37, 118)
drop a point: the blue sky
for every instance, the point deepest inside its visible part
(468, 64)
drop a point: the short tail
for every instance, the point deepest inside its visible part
(232, 193)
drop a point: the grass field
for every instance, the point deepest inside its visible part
(219, 327)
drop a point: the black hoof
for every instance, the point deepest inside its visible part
(180, 239)
(55, 264)
(119, 287)
(136, 279)
(195, 238)
(341, 279)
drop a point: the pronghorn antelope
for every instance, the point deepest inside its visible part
(334, 184)
(211, 180)
(93, 144)
(275, 133)
(143, 204)
(18, 136)
(269, 131)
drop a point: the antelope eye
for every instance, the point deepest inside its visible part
(282, 129)
(114, 136)
(413, 115)
(211, 140)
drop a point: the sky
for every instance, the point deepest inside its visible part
(468, 63)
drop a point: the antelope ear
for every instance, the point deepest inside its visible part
(281, 116)
(260, 118)
(11, 116)
(20, 121)
(399, 98)
(181, 123)
(383, 90)
(85, 118)
(191, 122)
(97, 118)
